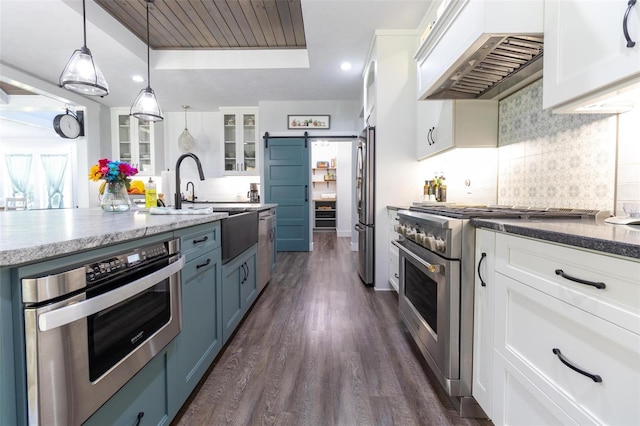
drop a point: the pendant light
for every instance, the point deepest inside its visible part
(186, 142)
(81, 74)
(146, 107)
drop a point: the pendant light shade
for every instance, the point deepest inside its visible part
(146, 106)
(81, 74)
(186, 142)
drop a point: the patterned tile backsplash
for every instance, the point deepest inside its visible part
(554, 160)
(547, 160)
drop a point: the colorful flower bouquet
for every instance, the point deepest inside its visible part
(112, 171)
(117, 179)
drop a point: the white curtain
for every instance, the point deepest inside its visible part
(55, 166)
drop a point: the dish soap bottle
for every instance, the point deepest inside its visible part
(425, 191)
(150, 196)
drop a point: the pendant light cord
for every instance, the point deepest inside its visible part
(148, 41)
(185, 118)
(84, 23)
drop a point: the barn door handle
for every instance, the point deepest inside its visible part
(306, 193)
(630, 43)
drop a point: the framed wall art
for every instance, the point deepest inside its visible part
(308, 121)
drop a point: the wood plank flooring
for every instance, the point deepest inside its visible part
(319, 348)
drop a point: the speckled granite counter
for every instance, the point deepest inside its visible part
(623, 240)
(27, 236)
(397, 207)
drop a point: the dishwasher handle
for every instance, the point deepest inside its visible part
(70, 313)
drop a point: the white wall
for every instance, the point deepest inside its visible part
(344, 117)
(478, 166)
(628, 170)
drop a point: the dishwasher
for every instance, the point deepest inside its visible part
(265, 247)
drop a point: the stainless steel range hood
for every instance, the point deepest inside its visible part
(493, 67)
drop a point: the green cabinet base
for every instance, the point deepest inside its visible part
(239, 289)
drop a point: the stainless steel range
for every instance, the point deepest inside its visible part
(436, 248)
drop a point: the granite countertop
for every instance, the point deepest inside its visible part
(623, 240)
(398, 207)
(32, 235)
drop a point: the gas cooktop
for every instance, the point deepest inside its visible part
(505, 212)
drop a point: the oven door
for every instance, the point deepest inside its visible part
(84, 348)
(429, 301)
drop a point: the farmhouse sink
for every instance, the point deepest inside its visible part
(239, 232)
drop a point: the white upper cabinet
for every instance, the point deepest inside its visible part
(587, 57)
(240, 141)
(463, 124)
(133, 141)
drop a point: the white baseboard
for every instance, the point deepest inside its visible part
(354, 246)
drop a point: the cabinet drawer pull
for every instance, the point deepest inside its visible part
(140, 416)
(482, 257)
(202, 265)
(598, 285)
(630, 43)
(202, 240)
(596, 378)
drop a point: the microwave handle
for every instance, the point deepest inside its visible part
(70, 313)
(431, 268)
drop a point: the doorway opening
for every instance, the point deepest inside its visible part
(332, 186)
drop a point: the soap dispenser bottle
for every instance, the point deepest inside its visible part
(150, 196)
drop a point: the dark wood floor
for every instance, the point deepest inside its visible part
(319, 348)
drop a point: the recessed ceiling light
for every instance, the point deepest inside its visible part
(345, 66)
(138, 78)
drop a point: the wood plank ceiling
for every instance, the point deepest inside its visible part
(213, 24)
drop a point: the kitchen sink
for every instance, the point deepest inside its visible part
(239, 232)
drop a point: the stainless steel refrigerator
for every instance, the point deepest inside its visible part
(365, 202)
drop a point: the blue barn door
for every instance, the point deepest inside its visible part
(286, 175)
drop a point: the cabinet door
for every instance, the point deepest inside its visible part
(145, 397)
(249, 280)
(585, 48)
(133, 141)
(232, 275)
(240, 140)
(483, 319)
(435, 127)
(201, 337)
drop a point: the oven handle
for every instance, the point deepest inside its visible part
(431, 268)
(70, 313)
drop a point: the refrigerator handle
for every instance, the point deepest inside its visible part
(306, 193)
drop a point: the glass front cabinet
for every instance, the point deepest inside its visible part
(240, 139)
(133, 141)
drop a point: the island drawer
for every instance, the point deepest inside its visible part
(197, 240)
